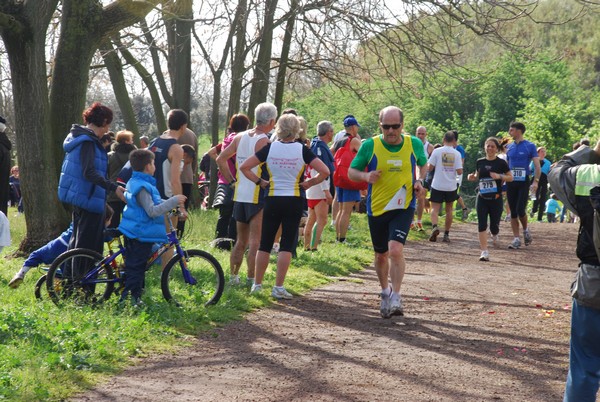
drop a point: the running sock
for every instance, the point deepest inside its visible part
(386, 292)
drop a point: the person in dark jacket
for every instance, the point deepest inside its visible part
(83, 180)
(575, 180)
(117, 158)
(5, 165)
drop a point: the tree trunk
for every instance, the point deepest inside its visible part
(285, 54)
(115, 71)
(237, 61)
(26, 54)
(262, 68)
(179, 29)
(161, 123)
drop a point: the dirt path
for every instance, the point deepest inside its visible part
(473, 331)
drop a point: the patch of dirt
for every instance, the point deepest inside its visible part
(472, 331)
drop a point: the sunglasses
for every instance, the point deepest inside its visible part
(388, 126)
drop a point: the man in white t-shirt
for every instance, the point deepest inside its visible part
(447, 163)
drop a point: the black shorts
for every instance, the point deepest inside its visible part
(439, 196)
(244, 211)
(517, 195)
(392, 225)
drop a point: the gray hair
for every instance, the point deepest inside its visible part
(265, 112)
(287, 126)
(303, 128)
(324, 127)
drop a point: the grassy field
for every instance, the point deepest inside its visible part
(49, 353)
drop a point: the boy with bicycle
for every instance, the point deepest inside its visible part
(143, 222)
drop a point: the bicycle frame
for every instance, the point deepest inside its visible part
(110, 260)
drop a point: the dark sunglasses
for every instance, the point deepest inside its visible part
(388, 126)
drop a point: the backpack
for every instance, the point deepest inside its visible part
(343, 158)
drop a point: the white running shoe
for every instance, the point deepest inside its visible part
(516, 244)
(281, 293)
(256, 289)
(485, 256)
(396, 304)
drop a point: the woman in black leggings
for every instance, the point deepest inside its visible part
(286, 161)
(491, 173)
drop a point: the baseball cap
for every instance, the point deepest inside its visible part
(350, 121)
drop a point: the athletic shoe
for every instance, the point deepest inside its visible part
(234, 281)
(465, 214)
(434, 234)
(413, 226)
(385, 306)
(420, 227)
(485, 256)
(527, 237)
(516, 244)
(396, 305)
(281, 293)
(495, 240)
(16, 280)
(256, 289)
(446, 238)
(275, 249)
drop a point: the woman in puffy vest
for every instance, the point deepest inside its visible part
(83, 178)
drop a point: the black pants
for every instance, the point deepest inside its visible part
(88, 232)
(493, 209)
(226, 226)
(186, 189)
(541, 196)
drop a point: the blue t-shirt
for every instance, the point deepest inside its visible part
(552, 206)
(519, 156)
(460, 149)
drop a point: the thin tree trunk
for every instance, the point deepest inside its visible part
(237, 61)
(285, 53)
(115, 71)
(262, 68)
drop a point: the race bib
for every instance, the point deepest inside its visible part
(398, 201)
(518, 174)
(487, 186)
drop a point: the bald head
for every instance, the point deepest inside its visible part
(391, 111)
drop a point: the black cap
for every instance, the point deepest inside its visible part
(2, 120)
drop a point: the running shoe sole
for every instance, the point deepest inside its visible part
(434, 235)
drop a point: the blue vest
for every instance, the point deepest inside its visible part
(136, 224)
(73, 188)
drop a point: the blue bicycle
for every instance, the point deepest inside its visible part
(190, 278)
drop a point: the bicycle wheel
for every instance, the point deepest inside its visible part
(197, 278)
(41, 282)
(64, 279)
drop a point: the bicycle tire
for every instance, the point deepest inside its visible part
(62, 284)
(37, 290)
(206, 273)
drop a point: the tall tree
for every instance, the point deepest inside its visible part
(41, 121)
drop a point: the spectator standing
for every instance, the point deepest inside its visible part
(552, 208)
(286, 160)
(447, 163)
(117, 158)
(168, 162)
(83, 180)
(490, 172)
(422, 200)
(346, 197)
(248, 196)
(226, 226)
(15, 189)
(5, 164)
(542, 190)
(319, 197)
(575, 180)
(520, 153)
(189, 172)
(393, 161)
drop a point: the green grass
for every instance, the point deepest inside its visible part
(49, 353)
